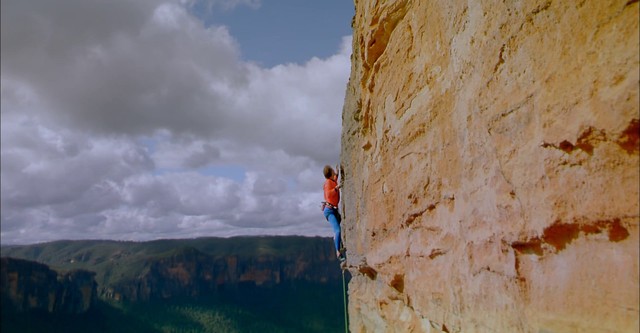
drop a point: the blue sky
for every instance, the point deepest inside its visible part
(145, 119)
(284, 31)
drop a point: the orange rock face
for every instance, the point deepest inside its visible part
(31, 286)
(490, 163)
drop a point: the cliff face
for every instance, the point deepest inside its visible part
(27, 285)
(490, 165)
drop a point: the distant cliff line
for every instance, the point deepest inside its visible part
(137, 271)
(30, 286)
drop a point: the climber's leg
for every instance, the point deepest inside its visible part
(333, 220)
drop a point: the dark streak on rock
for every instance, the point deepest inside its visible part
(630, 137)
(532, 246)
(411, 218)
(436, 253)
(368, 271)
(398, 283)
(560, 234)
(628, 140)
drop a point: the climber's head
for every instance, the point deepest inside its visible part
(328, 172)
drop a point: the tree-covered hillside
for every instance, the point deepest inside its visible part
(241, 284)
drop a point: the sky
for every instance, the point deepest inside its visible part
(149, 119)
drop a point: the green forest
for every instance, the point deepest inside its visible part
(312, 301)
(304, 308)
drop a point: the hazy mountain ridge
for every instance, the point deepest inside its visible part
(242, 284)
(188, 267)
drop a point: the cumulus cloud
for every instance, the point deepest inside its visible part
(135, 71)
(122, 119)
(131, 72)
(53, 187)
(210, 5)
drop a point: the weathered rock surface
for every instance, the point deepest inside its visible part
(28, 286)
(491, 173)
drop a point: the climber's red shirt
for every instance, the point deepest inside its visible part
(331, 193)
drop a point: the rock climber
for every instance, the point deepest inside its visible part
(330, 206)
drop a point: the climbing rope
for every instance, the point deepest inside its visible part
(344, 294)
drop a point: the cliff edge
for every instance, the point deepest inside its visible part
(490, 166)
(30, 286)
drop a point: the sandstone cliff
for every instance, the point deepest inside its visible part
(31, 286)
(490, 163)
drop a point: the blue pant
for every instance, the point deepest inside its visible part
(334, 218)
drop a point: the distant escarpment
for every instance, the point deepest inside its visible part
(189, 272)
(490, 155)
(140, 271)
(31, 286)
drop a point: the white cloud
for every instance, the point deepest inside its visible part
(209, 5)
(117, 118)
